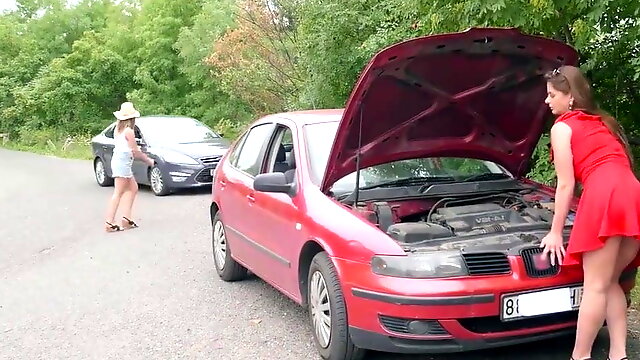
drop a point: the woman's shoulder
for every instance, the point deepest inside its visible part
(569, 115)
(127, 131)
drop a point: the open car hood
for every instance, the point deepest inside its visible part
(476, 94)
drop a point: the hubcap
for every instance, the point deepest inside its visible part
(220, 244)
(320, 309)
(156, 180)
(100, 175)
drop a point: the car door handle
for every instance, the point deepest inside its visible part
(251, 198)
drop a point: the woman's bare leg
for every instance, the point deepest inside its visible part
(128, 198)
(598, 268)
(617, 302)
(120, 185)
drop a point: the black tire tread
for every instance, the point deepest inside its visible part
(232, 271)
(108, 181)
(344, 349)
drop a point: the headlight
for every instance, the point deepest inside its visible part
(178, 158)
(432, 265)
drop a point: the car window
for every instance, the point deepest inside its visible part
(109, 132)
(280, 152)
(235, 151)
(319, 139)
(174, 130)
(252, 153)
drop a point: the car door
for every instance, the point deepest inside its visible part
(140, 168)
(237, 199)
(107, 146)
(278, 215)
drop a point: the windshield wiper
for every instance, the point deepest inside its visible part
(409, 181)
(486, 176)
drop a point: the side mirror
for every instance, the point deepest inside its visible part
(273, 182)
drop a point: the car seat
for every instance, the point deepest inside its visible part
(281, 164)
(289, 175)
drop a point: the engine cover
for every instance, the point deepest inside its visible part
(469, 217)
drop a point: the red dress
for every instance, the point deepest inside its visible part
(610, 200)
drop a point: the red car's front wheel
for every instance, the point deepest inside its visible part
(328, 313)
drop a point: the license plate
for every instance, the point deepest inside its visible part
(536, 303)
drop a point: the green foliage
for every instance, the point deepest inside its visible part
(542, 168)
(52, 142)
(635, 294)
(227, 62)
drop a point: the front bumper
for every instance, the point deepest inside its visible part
(380, 342)
(461, 314)
(188, 176)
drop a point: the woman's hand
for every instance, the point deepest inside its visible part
(150, 161)
(554, 247)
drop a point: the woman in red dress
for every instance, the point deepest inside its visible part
(589, 146)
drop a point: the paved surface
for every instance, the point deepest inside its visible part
(70, 291)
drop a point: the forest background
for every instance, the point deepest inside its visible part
(65, 67)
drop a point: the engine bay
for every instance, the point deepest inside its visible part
(453, 221)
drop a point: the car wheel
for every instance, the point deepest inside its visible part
(101, 173)
(328, 313)
(158, 185)
(228, 269)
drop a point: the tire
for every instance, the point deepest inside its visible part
(338, 345)
(228, 269)
(100, 172)
(157, 181)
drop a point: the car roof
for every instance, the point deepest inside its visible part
(306, 117)
(151, 118)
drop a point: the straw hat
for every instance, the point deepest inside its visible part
(127, 111)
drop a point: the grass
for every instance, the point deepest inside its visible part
(64, 147)
(635, 294)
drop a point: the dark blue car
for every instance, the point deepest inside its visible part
(185, 151)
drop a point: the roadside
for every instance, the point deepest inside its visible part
(50, 143)
(634, 314)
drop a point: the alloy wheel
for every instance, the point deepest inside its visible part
(100, 174)
(320, 309)
(156, 180)
(220, 244)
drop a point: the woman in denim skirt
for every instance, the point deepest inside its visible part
(125, 150)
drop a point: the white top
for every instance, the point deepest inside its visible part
(121, 144)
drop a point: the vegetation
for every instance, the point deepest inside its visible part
(65, 68)
(635, 294)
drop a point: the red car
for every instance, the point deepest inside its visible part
(404, 222)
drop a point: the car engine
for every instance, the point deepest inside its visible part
(499, 214)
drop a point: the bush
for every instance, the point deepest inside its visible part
(51, 142)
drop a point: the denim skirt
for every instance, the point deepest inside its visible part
(121, 163)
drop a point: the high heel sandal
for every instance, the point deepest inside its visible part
(130, 223)
(112, 227)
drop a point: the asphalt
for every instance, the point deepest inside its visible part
(68, 290)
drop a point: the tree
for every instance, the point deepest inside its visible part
(257, 60)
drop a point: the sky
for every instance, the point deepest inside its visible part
(7, 4)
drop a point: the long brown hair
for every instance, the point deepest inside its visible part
(570, 80)
(122, 124)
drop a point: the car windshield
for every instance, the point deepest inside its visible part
(400, 173)
(175, 131)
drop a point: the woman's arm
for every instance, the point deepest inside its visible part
(131, 140)
(563, 161)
